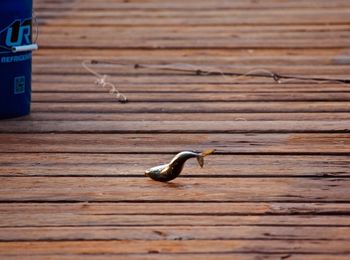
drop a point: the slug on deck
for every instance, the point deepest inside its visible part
(168, 172)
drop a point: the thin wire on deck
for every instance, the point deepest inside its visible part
(255, 73)
(209, 71)
(101, 80)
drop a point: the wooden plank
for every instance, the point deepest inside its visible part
(189, 189)
(107, 221)
(155, 256)
(236, 16)
(317, 57)
(61, 54)
(23, 164)
(202, 17)
(173, 233)
(222, 43)
(199, 107)
(189, 97)
(52, 116)
(222, 87)
(199, 13)
(118, 222)
(127, 69)
(144, 247)
(171, 208)
(252, 58)
(165, 79)
(72, 220)
(235, 32)
(176, 127)
(222, 36)
(183, 5)
(331, 144)
(224, 63)
(166, 30)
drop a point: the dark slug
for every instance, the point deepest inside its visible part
(168, 172)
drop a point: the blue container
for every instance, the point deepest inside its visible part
(15, 67)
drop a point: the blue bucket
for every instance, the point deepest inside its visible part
(15, 57)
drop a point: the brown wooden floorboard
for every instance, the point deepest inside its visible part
(72, 173)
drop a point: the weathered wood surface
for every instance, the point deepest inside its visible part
(190, 189)
(71, 173)
(226, 143)
(236, 165)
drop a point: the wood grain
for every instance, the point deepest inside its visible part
(96, 117)
(71, 173)
(93, 233)
(189, 97)
(153, 255)
(177, 127)
(74, 165)
(198, 107)
(144, 247)
(249, 143)
(189, 189)
(142, 208)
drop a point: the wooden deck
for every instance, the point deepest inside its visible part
(71, 173)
